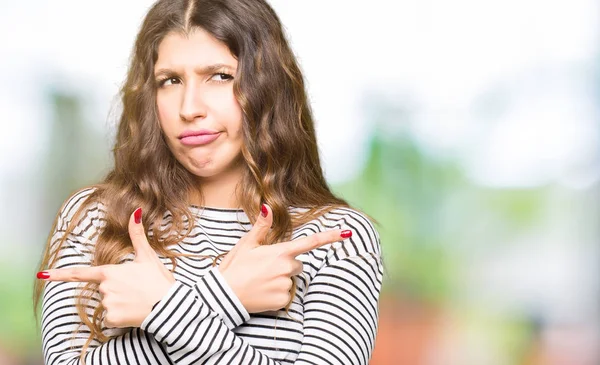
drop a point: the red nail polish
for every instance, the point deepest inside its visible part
(43, 275)
(137, 215)
(264, 211)
(346, 234)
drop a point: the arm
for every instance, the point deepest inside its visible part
(340, 320)
(184, 317)
(340, 313)
(63, 333)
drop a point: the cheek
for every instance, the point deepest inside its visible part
(226, 111)
(235, 115)
(166, 112)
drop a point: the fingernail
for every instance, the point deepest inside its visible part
(137, 215)
(264, 211)
(43, 275)
(346, 234)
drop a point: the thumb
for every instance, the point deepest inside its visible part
(261, 227)
(141, 247)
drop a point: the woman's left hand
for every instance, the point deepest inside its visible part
(128, 290)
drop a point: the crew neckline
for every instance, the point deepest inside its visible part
(236, 213)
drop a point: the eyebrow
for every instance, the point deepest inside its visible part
(201, 70)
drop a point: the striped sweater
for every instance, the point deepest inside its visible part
(332, 319)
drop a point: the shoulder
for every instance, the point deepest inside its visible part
(77, 227)
(82, 210)
(365, 237)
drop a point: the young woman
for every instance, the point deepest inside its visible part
(215, 239)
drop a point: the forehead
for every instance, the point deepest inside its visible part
(196, 49)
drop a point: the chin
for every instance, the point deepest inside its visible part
(205, 171)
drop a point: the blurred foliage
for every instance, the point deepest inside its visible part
(76, 156)
(405, 191)
(77, 153)
(430, 218)
(427, 211)
(17, 328)
(429, 215)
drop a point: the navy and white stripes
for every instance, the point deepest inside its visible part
(332, 319)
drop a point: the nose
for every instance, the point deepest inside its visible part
(192, 104)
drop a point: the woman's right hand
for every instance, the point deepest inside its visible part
(261, 276)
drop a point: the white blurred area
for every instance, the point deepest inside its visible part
(509, 88)
(534, 60)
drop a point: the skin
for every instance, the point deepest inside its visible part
(195, 76)
(193, 94)
(258, 275)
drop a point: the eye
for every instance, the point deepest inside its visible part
(221, 77)
(168, 81)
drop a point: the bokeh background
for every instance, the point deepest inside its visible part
(468, 129)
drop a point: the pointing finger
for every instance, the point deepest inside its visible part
(302, 245)
(143, 251)
(93, 274)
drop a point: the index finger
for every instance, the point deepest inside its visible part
(306, 244)
(91, 274)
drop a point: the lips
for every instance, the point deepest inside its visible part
(198, 138)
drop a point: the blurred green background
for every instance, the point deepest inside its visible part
(468, 130)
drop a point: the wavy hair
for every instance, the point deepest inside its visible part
(282, 167)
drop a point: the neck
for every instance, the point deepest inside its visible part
(219, 192)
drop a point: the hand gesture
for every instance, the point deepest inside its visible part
(261, 276)
(128, 290)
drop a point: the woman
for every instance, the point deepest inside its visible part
(236, 251)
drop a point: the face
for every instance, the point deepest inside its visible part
(198, 113)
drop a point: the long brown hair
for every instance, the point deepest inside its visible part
(282, 166)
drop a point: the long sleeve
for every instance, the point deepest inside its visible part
(340, 314)
(201, 321)
(63, 333)
(340, 321)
